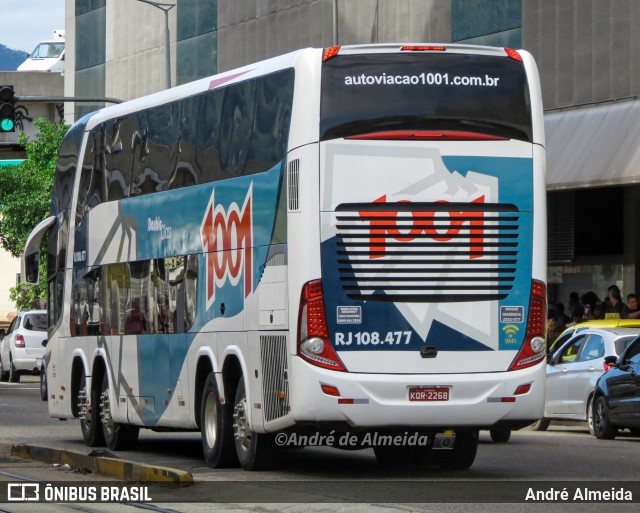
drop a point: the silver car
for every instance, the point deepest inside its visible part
(574, 368)
(21, 350)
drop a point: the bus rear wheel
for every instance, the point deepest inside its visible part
(392, 456)
(216, 427)
(255, 450)
(87, 404)
(463, 453)
(118, 437)
(500, 435)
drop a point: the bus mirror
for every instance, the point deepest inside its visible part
(31, 272)
(31, 257)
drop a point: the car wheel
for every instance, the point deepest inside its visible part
(255, 450)
(4, 375)
(590, 416)
(117, 436)
(541, 425)
(500, 436)
(43, 383)
(14, 375)
(216, 427)
(602, 426)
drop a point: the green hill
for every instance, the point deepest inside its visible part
(11, 59)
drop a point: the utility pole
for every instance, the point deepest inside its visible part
(167, 50)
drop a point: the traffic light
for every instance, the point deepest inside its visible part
(7, 109)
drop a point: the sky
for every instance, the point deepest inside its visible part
(27, 22)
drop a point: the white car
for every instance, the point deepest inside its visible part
(21, 350)
(574, 368)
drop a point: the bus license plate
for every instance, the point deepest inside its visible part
(428, 393)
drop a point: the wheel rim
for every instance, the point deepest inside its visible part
(241, 429)
(599, 417)
(107, 419)
(590, 417)
(84, 410)
(210, 420)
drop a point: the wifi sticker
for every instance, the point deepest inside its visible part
(510, 330)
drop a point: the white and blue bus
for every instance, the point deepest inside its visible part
(346, 242)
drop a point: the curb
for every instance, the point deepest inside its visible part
(103, 464)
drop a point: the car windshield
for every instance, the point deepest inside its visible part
(35, 322)
(622, 343)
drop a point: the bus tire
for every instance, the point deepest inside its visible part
(392, 456)
(255, 450)
(117, 436)
(88, 401)
(44, 389)
(500, 435)
(216, 427)
(463, 453)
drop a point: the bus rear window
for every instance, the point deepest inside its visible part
(424, 91)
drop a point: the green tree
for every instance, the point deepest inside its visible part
(25, 200)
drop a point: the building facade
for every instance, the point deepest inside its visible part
(584, 50)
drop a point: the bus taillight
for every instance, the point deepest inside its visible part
(330, 52)
(313, 334)
(513, 54)
(426, 135)
(423, 48)
(533, 349)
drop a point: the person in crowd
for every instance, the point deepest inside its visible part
(632, 308)
(589, 300)
(613, 309)
(575, 310)
(560, 317)
(556, 322)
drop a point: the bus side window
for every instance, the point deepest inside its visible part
(236, 126)
(92, 182)
(274, 96)
(186, 171)
(138, 318)
(208, 137)
(191, 285)
(117, 161)
(169, 294)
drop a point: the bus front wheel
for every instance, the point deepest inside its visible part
(216, 427)
(255, 450)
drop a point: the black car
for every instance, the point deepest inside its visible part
(617, 395)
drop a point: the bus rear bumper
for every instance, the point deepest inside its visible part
(477, 400)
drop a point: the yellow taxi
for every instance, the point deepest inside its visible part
(595, 323)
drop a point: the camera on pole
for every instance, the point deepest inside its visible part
(7, 109)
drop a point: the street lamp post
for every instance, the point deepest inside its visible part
(167, 53)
